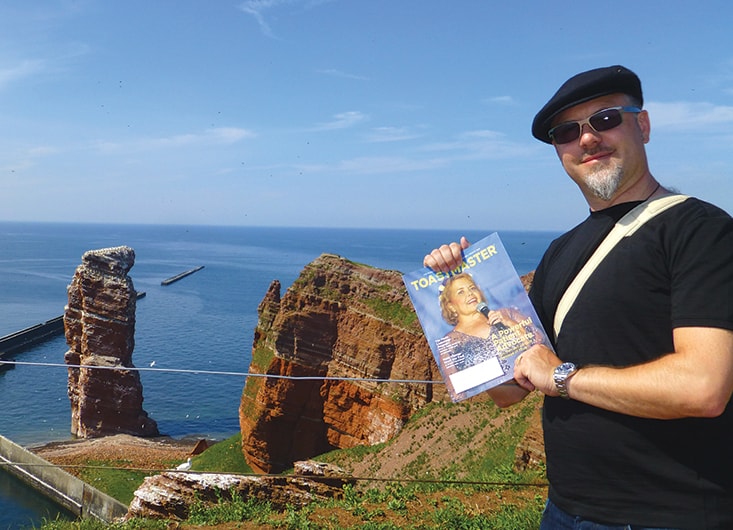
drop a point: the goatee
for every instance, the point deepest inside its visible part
(604, 182)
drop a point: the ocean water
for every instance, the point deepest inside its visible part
(203, 322)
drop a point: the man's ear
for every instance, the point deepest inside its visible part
(644, 125)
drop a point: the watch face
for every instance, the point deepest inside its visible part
(566, 367)
(561, 375)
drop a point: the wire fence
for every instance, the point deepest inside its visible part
(402, 480)
(225, 373)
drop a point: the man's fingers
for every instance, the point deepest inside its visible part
(445, 257)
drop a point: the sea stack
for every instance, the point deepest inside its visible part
(339, 328)
(99, 323)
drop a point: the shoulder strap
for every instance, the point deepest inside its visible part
(624, 227)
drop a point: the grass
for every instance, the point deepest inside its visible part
(393, 312)
(223, 457)
(109, 477)
(496, 504)
(399, 508)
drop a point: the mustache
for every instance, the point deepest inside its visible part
(595, 150)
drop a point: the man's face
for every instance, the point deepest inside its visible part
(605, 164)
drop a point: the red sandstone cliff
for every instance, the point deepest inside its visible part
(99, 323)
(339, 319)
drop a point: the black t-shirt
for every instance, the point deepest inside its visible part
(675, 271)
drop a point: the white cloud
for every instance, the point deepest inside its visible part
(257, 8)
(481, 144)
(467, 147)
(219, 135)
(391, 134)
(374, 165)
(228, 135)
(342, 120)
(20, 71)
(684, 115)
(42, 150)
(27, 158)
(338, 73)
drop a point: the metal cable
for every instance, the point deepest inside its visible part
(215, 372)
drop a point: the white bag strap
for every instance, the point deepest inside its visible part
(625, 226)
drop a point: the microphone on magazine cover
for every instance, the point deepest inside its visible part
(483, 308)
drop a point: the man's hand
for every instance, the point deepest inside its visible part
(534, 369)
(446, 257)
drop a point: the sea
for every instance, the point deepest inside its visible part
(203, 323)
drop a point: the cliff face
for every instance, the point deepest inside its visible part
(99, 323)
(339, 319)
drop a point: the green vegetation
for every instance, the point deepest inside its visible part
(93, 524)
(489, 495)
(111, 478)
(392, 312)
(262, 357)
(233, 510)
(394, 508)
(223, 457)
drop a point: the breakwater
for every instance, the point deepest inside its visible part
(28, 337)
(180, 276)
(25, 338)
(76, 496)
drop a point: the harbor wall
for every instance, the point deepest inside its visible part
(29, 337)
(25, 338)
(65, 489)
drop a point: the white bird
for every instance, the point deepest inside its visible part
(152, 364)
(185, 466)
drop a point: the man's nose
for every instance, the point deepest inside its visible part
(588, 134)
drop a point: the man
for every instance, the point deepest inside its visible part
(637, 415)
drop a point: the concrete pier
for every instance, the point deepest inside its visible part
(25, 338)
(177, 277)
(61, 487)
(29, 337)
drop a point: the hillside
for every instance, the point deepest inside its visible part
(471, 441)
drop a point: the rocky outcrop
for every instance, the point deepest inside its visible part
(170, 495)
(339, 319)
(99, 322)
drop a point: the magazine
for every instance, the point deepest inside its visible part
(477, 318)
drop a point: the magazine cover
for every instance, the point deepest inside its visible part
(477, 318)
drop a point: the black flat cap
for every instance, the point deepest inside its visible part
(584, 87)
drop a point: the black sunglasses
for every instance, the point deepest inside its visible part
(602, 120)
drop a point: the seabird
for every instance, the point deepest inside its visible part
(185, 466)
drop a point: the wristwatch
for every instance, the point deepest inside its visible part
(561, 375)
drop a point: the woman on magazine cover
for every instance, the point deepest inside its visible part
(479, 333)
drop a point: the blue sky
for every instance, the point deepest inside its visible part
(344, 113)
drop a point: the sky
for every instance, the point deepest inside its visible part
(340, 113)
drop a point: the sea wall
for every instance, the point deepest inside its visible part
(28, 337)
(66, 490)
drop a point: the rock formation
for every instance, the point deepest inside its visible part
(170, 495)
(99, 323)
(339, 319)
